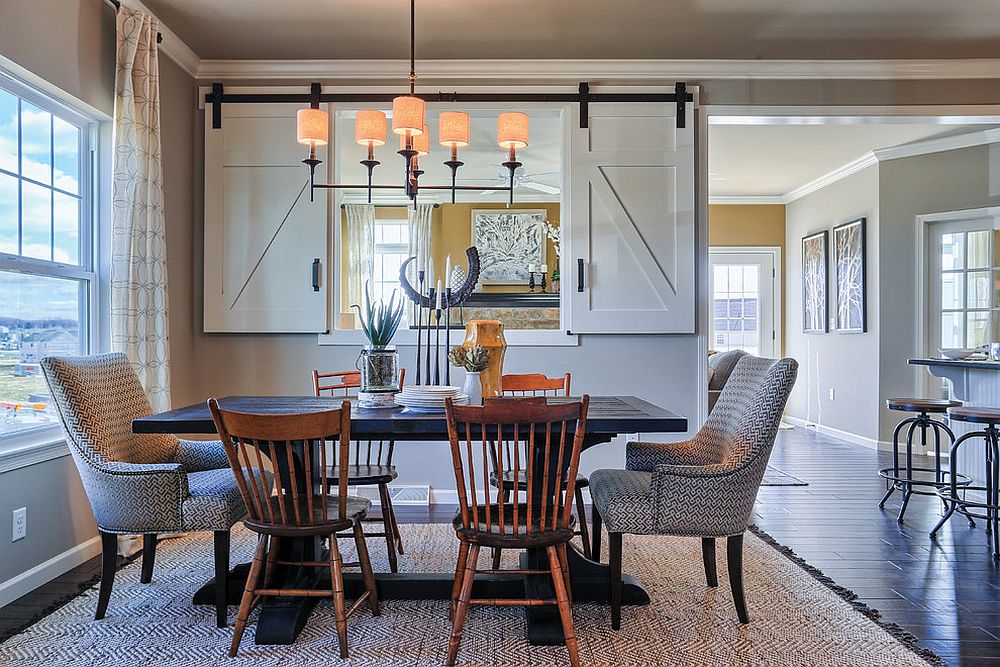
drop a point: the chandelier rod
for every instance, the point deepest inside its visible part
(413, 39)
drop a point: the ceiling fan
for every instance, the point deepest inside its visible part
(522, 179)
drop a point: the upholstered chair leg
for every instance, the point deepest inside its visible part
(595, 534)
(246, 603)
(148, 556)
(109, 563)
(221, 577)
(388, 528)
(456, 587)
(462, 608)
(734, 560)
(581, 511)
(366, 566)
(565, 610)
(708, 555)
(337, 586)
(615, 576)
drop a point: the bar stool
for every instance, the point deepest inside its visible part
(949, 492)
(905, 479)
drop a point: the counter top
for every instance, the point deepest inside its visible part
(979, 365)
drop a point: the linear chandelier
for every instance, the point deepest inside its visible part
(409, 123)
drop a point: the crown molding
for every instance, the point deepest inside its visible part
(746, 199)
(600, 70)
(172, 46)
(840, 173)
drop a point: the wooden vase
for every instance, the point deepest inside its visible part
(489, 334)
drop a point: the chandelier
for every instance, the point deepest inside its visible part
(409, 124)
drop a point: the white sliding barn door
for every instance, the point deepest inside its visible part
(262, 234)
(633, 221)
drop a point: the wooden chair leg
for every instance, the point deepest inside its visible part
(462, 608)
(498, 553)
(595, 534)
(734, 561)
(581, 515)
(246, 603)
(109, 563)
(272, 555)
(366, 566)
(221, 577)
(708, 556)
(615, 577)
(390, 534)
(565, 610)
(564, 565)
(395, 527)
(339, 604)
(148, 557)
(456, 587)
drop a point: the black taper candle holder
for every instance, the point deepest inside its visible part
(437, 347)
(430, 313)
(420, 313)
(447, 336)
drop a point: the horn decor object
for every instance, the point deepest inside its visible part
(439, 300)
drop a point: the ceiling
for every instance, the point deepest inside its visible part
(466, 29)
(772, 160)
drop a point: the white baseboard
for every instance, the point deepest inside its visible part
(854, 438)
(43, 573)
(450, 496)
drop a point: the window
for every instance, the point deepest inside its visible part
(963, 284)
(47, 279)
(392, 247)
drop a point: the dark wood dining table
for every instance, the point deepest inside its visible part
(281, 619)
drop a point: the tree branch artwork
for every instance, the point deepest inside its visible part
(814, 280)
(849, 262)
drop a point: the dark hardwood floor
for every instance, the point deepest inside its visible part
(945, 592)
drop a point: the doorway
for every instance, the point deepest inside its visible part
(745, 289)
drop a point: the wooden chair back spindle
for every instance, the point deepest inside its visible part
(295, 446)
(530, 440)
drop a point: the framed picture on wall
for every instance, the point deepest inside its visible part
(849, 265)
(508, 241)
(815, 267)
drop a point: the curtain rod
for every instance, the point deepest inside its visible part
(392, 205)
(118, 5)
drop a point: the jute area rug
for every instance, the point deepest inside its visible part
(795, 618)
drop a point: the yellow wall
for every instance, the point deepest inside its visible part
(751, 225)
(451, 233)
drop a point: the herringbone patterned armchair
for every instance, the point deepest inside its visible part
(704, 487)
(140, 484)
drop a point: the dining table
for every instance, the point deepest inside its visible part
(281, 619)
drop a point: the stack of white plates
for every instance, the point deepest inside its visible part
(429, 398)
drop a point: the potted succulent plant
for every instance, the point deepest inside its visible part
(379, 362)
(474, 360)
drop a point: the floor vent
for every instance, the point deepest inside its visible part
(401, 494)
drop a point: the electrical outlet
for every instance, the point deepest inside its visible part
(19, 529)
(833, 394)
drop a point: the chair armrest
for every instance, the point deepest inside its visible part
(647, 456)
(709, 501)
(135, 497)
(199, 455)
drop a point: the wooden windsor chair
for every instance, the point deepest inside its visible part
(548, 462)
(302, 506)
(537, 384)
(370, 460)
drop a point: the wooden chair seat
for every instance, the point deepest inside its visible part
(976, 415)
(357, 508)
(511, 537)
(933, 405)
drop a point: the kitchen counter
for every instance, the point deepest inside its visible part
(978, 364)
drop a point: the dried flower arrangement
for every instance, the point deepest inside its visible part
(473, 359)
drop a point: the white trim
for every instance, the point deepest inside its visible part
(870, 443)
(172, 45)
(31, 448)
(43, 573)
(939, 145)
(592, 69)
(901, 114)
(450, 496)
(742, 200)
(514, 338)
(840, 173)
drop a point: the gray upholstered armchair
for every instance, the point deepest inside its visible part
(140, 484)
(704, 487)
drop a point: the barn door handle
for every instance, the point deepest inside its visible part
(580, 268)
(315, 274)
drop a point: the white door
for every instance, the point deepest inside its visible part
(265, 242)
(632, 215)
(744, 302)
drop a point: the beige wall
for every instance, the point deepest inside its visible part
(749, 225)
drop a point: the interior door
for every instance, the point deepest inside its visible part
(265, 242)
(744, 315)
(632, 207)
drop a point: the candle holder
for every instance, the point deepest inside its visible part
(543, 284)
(531, 281)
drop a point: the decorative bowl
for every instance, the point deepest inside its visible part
(957, 353)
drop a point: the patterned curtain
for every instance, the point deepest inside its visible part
(360, 251)
(138, 246)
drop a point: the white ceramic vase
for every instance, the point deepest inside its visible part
(473, 387)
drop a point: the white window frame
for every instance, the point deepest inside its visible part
(34, 445)
(777, 321)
